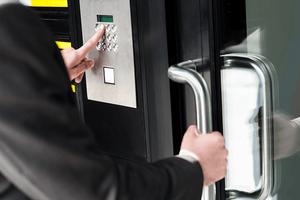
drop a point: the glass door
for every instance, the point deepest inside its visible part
(260, 86)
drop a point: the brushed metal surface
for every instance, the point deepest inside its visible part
(123, 92)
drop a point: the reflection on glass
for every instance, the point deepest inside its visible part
(273, 30)
(287, 135)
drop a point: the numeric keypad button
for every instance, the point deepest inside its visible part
(108, 37)
(115, 38)
(116, 47)
(108, 27)
(98, 46)
(113, 28)
(103, 46)
(97, 26)
(103, 37)
(109, 47)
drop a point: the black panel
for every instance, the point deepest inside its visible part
(154, 64)
(217, 9)
(184, 43)
(118, 130)
(142, 134)
(57, 19)
(193, 34)
(125, 136)
(232, 22)
(229, 28)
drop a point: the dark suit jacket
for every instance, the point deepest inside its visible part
(46, 152)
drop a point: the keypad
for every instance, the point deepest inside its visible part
(109, 39)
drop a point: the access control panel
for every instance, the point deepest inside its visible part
(112, 79)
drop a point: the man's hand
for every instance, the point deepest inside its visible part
(209, 150)
(286, 136)
(76, 60)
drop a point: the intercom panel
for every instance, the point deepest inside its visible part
(112, 79)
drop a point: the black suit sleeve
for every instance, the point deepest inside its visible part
(45, 149)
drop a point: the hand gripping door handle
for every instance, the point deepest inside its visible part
(182, 73)
(270, 169)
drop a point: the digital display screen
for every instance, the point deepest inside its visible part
(105, 18)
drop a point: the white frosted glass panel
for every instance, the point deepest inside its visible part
(241, 100)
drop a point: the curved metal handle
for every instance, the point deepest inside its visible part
(181, 73)
(267, 75)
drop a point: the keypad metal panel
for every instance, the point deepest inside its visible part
(114, 50)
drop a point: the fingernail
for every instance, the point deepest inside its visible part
(91, 62)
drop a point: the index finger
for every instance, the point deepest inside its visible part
(91, 43)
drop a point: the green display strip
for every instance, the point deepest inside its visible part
(105, 18)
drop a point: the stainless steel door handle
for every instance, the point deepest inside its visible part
(185, 73)
(266, 72)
